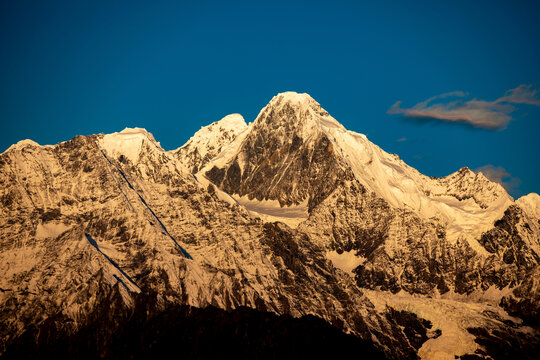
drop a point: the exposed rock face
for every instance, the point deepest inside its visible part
(409, 232)
(504, 344)
(524, 300)
(401, 251)
(284, 157)
(104, 221)
(295, 151)
(83, 230)
(512, 239)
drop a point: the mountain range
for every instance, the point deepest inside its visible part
(290, 227)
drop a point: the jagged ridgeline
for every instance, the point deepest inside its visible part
(289, 230)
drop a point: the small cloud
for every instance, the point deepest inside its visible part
(402, 139)
(523, 94)
(499, 175)
(491, 115)
(493, 173)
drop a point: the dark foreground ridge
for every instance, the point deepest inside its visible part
(183, 332)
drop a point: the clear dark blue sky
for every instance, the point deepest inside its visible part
(75, 67)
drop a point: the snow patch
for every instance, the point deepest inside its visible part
(450, 316)
(51, 229)
(233, 122)
(128, 142)
(530, 204)
(228, 151)
(491, 295)
(221, 195)
(346, 261)
(270, 210)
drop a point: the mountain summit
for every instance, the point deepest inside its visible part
(295, 151)
(209, 141)
(292, 214)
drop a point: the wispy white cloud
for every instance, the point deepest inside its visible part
(523, 94)
(477, 113)
(499, 175)
(401, 139)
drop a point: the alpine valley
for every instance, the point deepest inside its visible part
(290, 237)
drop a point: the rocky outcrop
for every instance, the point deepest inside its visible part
(401, 251)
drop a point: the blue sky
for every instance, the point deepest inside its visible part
(74, 67)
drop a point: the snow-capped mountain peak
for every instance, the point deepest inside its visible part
(209, 141)
(531, 204)
(232, 122)
(297, 111)
(294, 126)
(128, 142)
(101, 224)
(466, 202)
(293, 97)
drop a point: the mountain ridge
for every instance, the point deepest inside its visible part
(300, 119)
(112, 216)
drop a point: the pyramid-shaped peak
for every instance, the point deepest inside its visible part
(299, 109)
